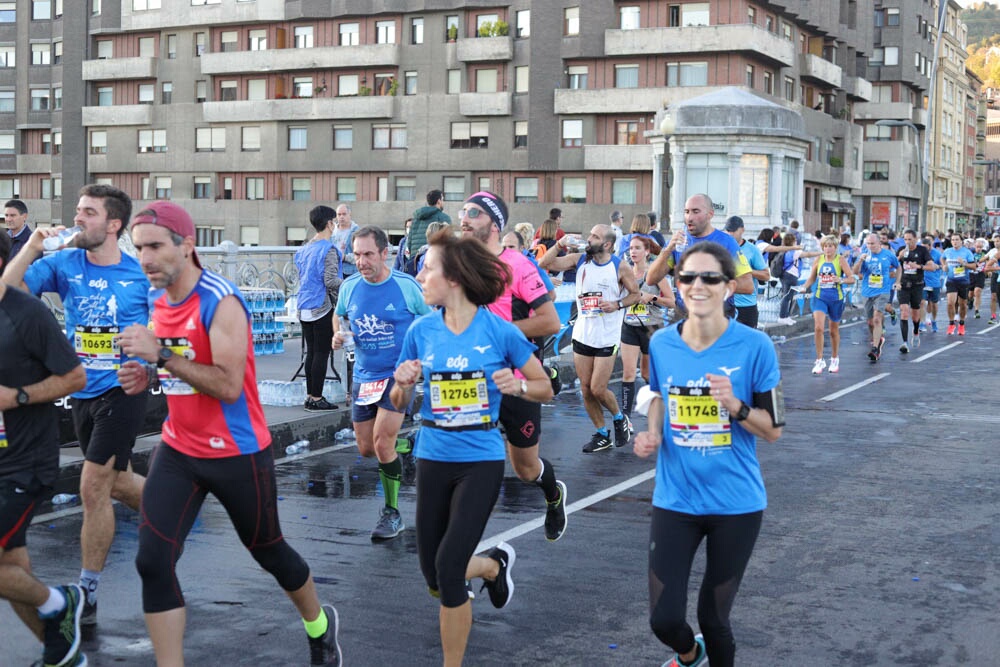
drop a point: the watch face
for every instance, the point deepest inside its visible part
(22, 397)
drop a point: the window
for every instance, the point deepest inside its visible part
(623, 191)
(98, 142)
(105, 96)
(629, 18)
(257, 89)
(7, 99)
(752, 15)
(143, 5)
(255, 188)
(57, 52)
(891, 56)
(571, 21)
(694, 13)
(39, 99)
(789, 89)
(409, 83)
(347, 84)
(302, 86)
(8, 12)
(687, 74)
(208, 139)
(416, 31)
(484, 184)
(6, 144)
(454, 81)
(227, 188)
(577, 77)
(47, 144)
(350, 34)
(485, 20)
(749, 76)
(768, 83)
(382, 188)
(166, 92)
(8, 56)
(627, 132)
(301, 189)
(520, 134)
(200, 91)
(250, 138)
(753, 184)
(230, 41)
(388, 136)
(343, 137)
(10, 187)
(572, 133)
(486, 81)
(385, 32)
(786, 31)
(708, 173)
(521, 79)
(450, 21)
(41, 54)
(470, 135)
(146, 93)
(626, 76)
(406, 188)
(892, 16)
(41, 10)
(250, 235)
(879, 18)
(46, 189)
(199, 44)
(522, 23)
(876, 171)
(257, 40)
(202, 187)
(164, 185)
(789, 184)
(574, 190)
(383, 82)
(674, 20)
(875, 132)
(298, 138)
(171, 47)
(56, 143)
(525, 190)
(228, 91)
(105, 49)
(454, 188)
(152, 141)
(147, 47)
(877, 56)
(303, 37)
(347, 188)
(57, 188)
(209, 236)
(57, 94)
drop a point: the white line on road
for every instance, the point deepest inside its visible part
(843, 392)
(988, 330)
(583, 503)
(938, 351)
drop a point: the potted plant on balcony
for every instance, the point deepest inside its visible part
(452, 33)
(501, 29)
(486, 29)
(393, 86)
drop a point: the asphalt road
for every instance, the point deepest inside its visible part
(879, 547)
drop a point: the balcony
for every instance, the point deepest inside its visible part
(858, 88)
(824, 72)
(920, 117)
(484, 104)
(485, 49)
(34, 164)
(883, 111)
(298, 110)
(119, 68)
(122, 114)
(283, 60)
(701, 39)
(175, 14)
(624, 100)
(618, 158)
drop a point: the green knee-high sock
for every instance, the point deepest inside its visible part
(391, 474)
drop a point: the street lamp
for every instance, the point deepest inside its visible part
(924, 184)
(667, 127)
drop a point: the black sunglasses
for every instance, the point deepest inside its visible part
(707, 277)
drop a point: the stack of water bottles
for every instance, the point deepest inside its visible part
(265, 306)
(289, 394)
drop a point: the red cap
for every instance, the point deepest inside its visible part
(170, 215)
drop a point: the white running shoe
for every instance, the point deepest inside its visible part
(785, 321)
(834, 364)
(818, 366)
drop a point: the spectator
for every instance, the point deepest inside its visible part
(422, 217)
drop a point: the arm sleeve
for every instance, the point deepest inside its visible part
(413, 296)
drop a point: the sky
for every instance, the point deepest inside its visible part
(966, 3)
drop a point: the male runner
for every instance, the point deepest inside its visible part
(932, 283)
(380, 304)
(957, 260)
(878, 268)
(915, 260)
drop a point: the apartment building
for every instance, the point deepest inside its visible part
(250, 112)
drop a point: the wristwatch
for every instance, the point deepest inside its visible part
(22, 397)
(163, 356)
(524, 387)
(743, 413)
(620, 306)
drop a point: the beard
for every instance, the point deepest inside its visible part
(592, 250)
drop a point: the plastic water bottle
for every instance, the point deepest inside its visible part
(61, 239)
(63, 498)
(296, 447)
(348, 335)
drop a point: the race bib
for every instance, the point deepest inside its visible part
(827, 281)
(590, 304)
(697, 420)
(875, 280)
(459, 399)
(169, 383)
(3, 433)
(959, 270)
(637, 314)
(371, 392)
(98, 347)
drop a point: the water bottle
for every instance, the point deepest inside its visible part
(296, 447)
(63, 498)
(347, 334)
(62, 239)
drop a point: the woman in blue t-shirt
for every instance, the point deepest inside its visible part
(718, 382)
(464, 356)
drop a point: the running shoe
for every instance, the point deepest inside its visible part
(390, 524)
(993, 318)
(873, 354)
(951, 329)
(62, 630)
(598, 443)
(785, 321)
(623, 431)
(977, 315)
(318, 405)
(916, 340)
(89, 616)
(501, 589)
(819, 366)
(934, 326)
(700, 660)
(555, 515)
(325, 650)
(893, 317)
(834, 364)
(553, 374)
(961, 329)
(904, 348)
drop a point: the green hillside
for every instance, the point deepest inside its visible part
(983, 21)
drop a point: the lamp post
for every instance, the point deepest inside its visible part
(924, 183)
(667, 128)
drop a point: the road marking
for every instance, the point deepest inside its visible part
(970, 418)
(580, 504)
(938, 351)
(992, 327)
(843, 392)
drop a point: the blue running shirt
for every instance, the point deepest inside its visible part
(957, 271)
(876, 273)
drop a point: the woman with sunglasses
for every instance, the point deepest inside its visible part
(719, 382)
(463, 355)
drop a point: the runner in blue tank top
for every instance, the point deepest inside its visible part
(829, 273)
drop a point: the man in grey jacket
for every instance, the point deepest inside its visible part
(423, 216)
